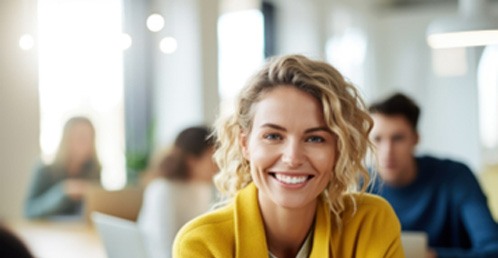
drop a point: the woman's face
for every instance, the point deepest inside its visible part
(290, 149)
(80, 142)
(204, 166)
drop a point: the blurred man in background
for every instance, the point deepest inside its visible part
(439, 197)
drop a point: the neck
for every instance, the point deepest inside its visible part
(285, 228)
(74, 167)
(197, 177)
(410, 174)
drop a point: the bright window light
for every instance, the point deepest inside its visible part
(81, 73)
(487, 77)
(347, 52)
(241, 51)
(126, 41)
(26, 42)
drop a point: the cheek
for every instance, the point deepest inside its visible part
(404, 150)
(325, 160)
(261, 157)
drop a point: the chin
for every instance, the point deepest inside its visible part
(298, 202)
(389, 176)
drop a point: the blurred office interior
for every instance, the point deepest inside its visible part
(142, 70)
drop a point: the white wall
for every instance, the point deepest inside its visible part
(300, 27)
(185, 82)
(19, 114)
(449, 120)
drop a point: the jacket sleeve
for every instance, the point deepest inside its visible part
(44, 196)
(476, 217)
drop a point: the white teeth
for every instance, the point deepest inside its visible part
(291, 179)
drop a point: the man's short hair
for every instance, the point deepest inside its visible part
(398, 104)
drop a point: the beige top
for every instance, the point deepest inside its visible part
(166, 207)
(305, 250)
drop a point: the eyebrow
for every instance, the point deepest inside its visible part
(310, 130)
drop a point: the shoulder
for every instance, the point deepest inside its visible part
(159, 185)
(42, 168)
(211, 231)
(45, 172)
(159, 191)
(209, 223)
(445, 168)
(369, 203)
(443, 164)
(362, 209)
(370, 227)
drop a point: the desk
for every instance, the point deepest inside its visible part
(59, 239)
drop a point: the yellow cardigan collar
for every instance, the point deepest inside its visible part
(250, 240)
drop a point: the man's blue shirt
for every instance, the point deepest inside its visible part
(446, 201)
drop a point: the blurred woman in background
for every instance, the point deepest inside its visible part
(58, 188)
(182, 190)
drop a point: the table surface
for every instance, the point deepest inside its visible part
(54, 239)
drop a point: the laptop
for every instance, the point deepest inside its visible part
(122, 238)
(124, 203)
(415, 243)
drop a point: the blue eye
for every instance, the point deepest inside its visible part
(272, 136)
(315, 139)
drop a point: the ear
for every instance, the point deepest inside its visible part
(191, 161)
(417, 138)
(243, 141)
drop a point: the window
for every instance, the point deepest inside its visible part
(81, 73)
(346, 50)
(487, 77)
(241, 51)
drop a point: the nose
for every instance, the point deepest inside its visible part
(293, 154)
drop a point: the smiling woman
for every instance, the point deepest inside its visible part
(290, 158)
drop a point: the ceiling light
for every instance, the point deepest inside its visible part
(155, 22)
(472, 27)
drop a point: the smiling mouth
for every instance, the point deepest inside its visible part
(291, 180)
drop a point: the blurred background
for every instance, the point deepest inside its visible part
(142, 70)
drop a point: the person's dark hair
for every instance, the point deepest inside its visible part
(11, 246)
(398, 104)
(191, 142)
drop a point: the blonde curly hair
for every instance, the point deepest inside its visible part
(344, 114)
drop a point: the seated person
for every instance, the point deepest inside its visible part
(58, 188)
(290, 157)
(182, 189)
(439, 196)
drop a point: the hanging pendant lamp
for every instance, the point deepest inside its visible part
(472, 27)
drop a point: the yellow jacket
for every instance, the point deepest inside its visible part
(237, 230)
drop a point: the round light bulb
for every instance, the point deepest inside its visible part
(126, 41)
(168, 45)
(155, 22)
(26, 42)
